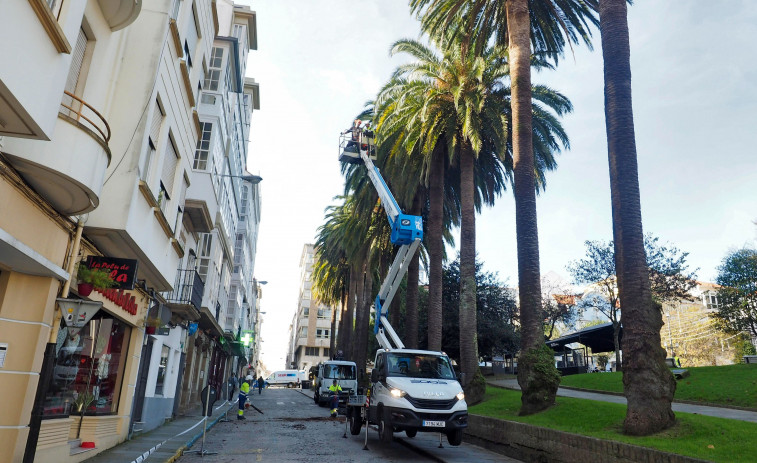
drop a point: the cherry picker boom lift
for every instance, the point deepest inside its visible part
(411, 390)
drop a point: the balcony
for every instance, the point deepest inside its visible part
(186, 298)
(69, 170)
(120, 13)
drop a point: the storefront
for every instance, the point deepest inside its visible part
(89, 399)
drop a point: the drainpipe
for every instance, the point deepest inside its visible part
(48, 361)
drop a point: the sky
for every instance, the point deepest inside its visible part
(694, 83)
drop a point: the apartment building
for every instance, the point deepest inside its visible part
(100, 130)
(310, 331)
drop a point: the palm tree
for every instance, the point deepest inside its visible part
(648, 384)
(509, 22)
(462, 99)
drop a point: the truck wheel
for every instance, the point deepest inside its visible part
(290, 385)
(455, 438)
(411, 432)
(385, 427)
(315, 399)
(356, 421)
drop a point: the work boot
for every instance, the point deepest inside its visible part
(241, 417)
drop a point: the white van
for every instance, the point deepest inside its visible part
(288, 378)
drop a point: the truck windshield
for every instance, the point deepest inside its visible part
(339, 371)
(419, 366)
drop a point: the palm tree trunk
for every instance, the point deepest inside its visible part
(468, 338)
(332, 337)
(411, 295)
(345, 332)
(435, 243)
(358, 312)
(537, 394)
(363, 320)
(648, 384)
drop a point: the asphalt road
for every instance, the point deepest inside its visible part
(293, 429)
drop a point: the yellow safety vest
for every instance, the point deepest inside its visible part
(336, 388)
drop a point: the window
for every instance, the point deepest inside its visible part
(88, 368)
(303, 332)
(322, 334)
(240, 32)
(711, 301)
(74, 72)
(162, 371)
(306, 294)
(324, 314)
(214, 73)
(332, 371)
(203, 147)
(190, 41)
(311, 351)
(325, 351)
(168, 176)
(308, 275)
(306, 312)
(152, 140)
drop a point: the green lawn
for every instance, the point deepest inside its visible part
(705, 437)
(727, 385)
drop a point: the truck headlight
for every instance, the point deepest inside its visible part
(460, 395)
(397, 393)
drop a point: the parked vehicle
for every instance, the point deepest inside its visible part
(344, 372)
(288, 378)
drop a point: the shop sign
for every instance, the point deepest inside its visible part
(120, 298)
(122, 271)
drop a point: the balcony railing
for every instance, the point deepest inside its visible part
(101, 126)
(188, 289)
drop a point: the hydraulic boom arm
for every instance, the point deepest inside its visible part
(407, 232)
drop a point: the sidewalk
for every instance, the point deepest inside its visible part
(165, 443)
(728, 413)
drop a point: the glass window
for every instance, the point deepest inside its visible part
(331, 371)
(203, 147)
(89, 366)
(419, 366)
(325, 351)
(214, 72)
(162, 371)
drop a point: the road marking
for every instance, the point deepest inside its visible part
(279, 403)
(294, 403)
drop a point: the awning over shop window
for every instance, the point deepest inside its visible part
(209, 322)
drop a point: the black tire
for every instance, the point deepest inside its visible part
(315, 399)
(356, 421)
(290, 385)
(411, 432)
(455, 438)
(386, 432)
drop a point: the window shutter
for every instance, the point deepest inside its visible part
(77, 58)
(191, 37)
(157, 121)
(169, 167)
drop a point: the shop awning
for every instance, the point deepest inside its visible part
(209, 322)
(237, 349)
(599, 338)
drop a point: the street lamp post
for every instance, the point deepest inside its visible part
(254, 179)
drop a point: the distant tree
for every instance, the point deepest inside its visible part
(496, 311)
(668, 274)
(737, 276)
(743, 346)
(559, 305)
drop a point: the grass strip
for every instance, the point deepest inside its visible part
(709, 438)
(734, 385)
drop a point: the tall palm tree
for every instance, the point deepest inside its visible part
(462, 98)
(509, 22)
(649, 386)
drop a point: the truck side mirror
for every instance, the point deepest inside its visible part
(374, 375)
(461, 378)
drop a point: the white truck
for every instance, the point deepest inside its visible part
(345, 374)
(411, 390)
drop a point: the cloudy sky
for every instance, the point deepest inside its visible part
(695, 95)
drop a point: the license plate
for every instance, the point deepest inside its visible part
(433, 424)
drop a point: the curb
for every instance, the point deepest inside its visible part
(194, 439)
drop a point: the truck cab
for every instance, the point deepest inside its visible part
(416, 390)
(345, 374)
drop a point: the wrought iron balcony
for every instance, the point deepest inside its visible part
(186, 298)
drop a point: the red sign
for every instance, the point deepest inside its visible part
(120, 298)
(122, 271)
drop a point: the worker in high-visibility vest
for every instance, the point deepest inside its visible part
(676, 361)
(334, 391)
(244, 389)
